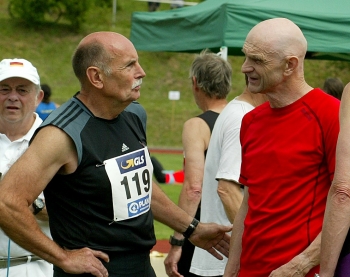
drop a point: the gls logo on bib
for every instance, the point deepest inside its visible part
(131, 162)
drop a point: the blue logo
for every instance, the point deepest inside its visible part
(131, 162)
(139, 206)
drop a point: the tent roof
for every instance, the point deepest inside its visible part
(215, 23)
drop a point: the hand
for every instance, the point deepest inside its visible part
(212, 237)
(293, 268)
(171, 261)
(85, 260)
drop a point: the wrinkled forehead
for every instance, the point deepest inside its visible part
(123, 54)
(259, 48)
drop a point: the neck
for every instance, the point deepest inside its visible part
(288, 95)
(215, 105)
(102, 107)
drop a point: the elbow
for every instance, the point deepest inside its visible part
(222, 192)
(4, 211)
(340, 195)
(194, 192)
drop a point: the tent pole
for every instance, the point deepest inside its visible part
(114, 12)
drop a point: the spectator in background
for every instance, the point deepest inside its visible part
(334, 87)
(153, 6)
(19, 95)
(211, 83)
(46, 106)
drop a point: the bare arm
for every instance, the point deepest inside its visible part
(233, 262)
(337, 220)
(25, 180)
(163, 211)
(231, 197)
(195, 140)
(207, 235)
(190, 195)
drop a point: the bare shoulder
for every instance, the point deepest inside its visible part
(54, 146)
(195, 124)
(345, 101)
(346, 92)
(195, 134)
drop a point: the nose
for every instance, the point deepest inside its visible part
(246, 67)
(141, 72)
(12, 95)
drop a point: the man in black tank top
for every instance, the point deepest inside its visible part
(91, 159)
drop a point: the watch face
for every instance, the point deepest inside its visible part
(39, 203)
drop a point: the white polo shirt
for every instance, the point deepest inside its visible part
(10, 151)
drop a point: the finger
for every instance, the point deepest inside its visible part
(227, 229)
(223, 250)
(174, 272)
(99, 267)
(99, 254)
(225, 242)
(100, 271)
(214, 253)
(227, 238)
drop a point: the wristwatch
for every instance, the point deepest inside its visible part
(175, 241)
(38, 205)
(190, 229)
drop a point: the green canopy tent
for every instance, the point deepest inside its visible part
(215, 23)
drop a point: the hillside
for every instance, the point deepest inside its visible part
(50, 48)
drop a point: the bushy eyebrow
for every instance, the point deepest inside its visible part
(131, 62)
(253, 56)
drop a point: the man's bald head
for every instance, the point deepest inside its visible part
(280, 35)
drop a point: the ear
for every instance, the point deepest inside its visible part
(292, 63)
(95, 77)
(39, 97)
(194, 83)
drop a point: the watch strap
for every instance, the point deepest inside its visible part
(175, 241)
(190, 228)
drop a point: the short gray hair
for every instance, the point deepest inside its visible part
(213, 74)
(92, 54)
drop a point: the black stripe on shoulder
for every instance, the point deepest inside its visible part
(70, 113)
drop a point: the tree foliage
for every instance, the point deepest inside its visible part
(33, 12)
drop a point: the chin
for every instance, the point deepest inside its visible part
(135, 95)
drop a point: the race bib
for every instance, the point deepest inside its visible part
(131, 180)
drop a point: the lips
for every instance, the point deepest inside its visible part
(12, 108)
